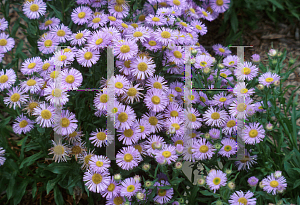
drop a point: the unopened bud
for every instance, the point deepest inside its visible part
(269, 126)
(117, 177)
(260, 86)
(206, 70)
(277, 174)
(140, 196)
(178, 165)
(137, 178)
(277, 83)
(146, 167)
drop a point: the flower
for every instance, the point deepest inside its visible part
(16, 97)
(221, 50)
(215, 179)
(272, 52)
(231, 61)
(98, 40)
(132, 94)
(247, 71)
(214, 133)
(202, 149)
(139, 34)
(125, 118)
(23, 124)
(246, 162)
(219, 6)
(128, 158)
(130, 187)
(7, 78)
(33, 84)
(203, 61)
(215, 117)
(47, 43)
(165, 36)
(81, 15)
(199, 27)
(252, 181)
(3, 24)
(112, 190)
(255, 58)
(158, 20)
(156, 100)
(71, 79)
(142, 67)
(49, 23)
(59, 151)
(98, 21)
(126, 49)
(192, 118)
(239, 197)
(230, 126)
(96, 182)
(239, 107)
(254, 133)
(152, 141)
(99, 163)
(168, 153)
(100, 138)
(268, 78)
(6, 43)
(163, 195)
(277, 174)
(272, 184)
(55, 95)
(61, 32)
(66, 123)
(31, 65)
(45, 115)
(129, 136)
(229, 147)
(240, 89)
(87, 57)
(30, 106)
(74, 136)
(80, 37)
(34, 9)
(155, 121)
(2, 158)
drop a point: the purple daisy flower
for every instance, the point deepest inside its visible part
(239, 107)
(47, 43)
(229, 147)
(155, 121)
(45, 115)
(222, 100)
(7, 78)
(268, 78)
(49, 23)
(252, 181)
(125, 118)
(176, 55)
(99, 164)
(152, 44)
(230, 126)
(79, 38)
(23, 124)
(156, 100)
(98, 40)
(96, 182)
(255, 58)
(55, 95)
(3, 24)
(16, 97)
(239, 197)
(87, 57)
(133, 94)
(240, 89)
(128, 158)
(2, 158)
(254, 133)
(98, 21)
(61, 32)
(215, 117)
(168, 152)
(203, 61)
(126, 49)
(150, 144)
(231, 61)
(48, 66)
(71, 79)
(31, 65)
(165, 36)
(118, 11)
(112, 190)
(199, 27)
(144, 128)
(139, 34)
(34, 9)
(81, 15)
(158, 20)
(221, 50)
(215, 179)
(246, 71)
(157, 82)
(214, 133)
(67, 123)
(192, 118)
(246, 162)
(6, 43)
(100, 138)
(116, 199)
(33, 85)
(163, 195)
(130, 187)
(173, 110)
(274, 185)
(129, 136)
(202, 149)
(120, 84)
(219, 6)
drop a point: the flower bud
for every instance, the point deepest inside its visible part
(178, 165)
(117, 177)
(269, 126)
(220, 65)
(140, 196)
(272, 52)
(274, 61)
(193, 61)
(207, 136)
(219, 202)
(172, 130)
(279, 54)
(276, 83)
(137, 178)
(146, 167)
(206, 70)
(148, 183)
(228, 171)
(201, 181)
(292, 61)
(194, 52)
(158, 145)
(260, 86)
(218, 146)
(179, 149)
(277, 174)
(261, 185)
(231, 185)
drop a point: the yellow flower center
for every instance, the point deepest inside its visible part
(142, 18)
(122, 117)
(192, 117)
(128, 133)
(244, 90)
(79, 35)
(3, 42)
(274, 184)
(56, 92)
(96, 20)
(246, 159)
(198, 27)
(221, 50)
(203, 63)
(88, 55)
(179, 142)
(112, 18)
(138, 147)
(222, 99)
(202, 99)
(268, 80)
(190, 150)
(193, 11)
(97, 178)
(99, 41)
(131, 92)
(203, 148)
(142, 128)
(104, 98)
(87, 158)
(59, 150)
(49, 22)
(219, 2)
(155, 99)
(176, 2)
(47, 43)
(215, 115)
(111, 187)
(157, 85)
(223, 75)
(73, 134)
(153, 120)
(70, 79)
(217, 181)
(127, 63)
(176, 126)
(3, 78)
(192, 135)
(61, 33)
(99, 164)
(241, 107)
(178, 89)
(65, 122)
(118, 200)
(15, 97)
(231, 123)
(142, 66)
(177, 54)
(34, 7)
(81, 15)
(243, 200)
(119, 85)
(31, 65)
(23, 123)
(161, 192)
(46, 66)
(32, 105)
(152, 43)
(101, 136)
(128, 157)
(231, 62)
(125, 49)
(247, 71)
(204, 13)
(165, 34)
(156, 19)
(253, 133)
(137, 34)
(166, 154)
(76, 150)
(174, 113)
(63, 57)
(227, 148)
(134, 25)
(46, 114)
(183, 24)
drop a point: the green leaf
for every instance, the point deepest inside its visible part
(58, 196)
(20, 191)
(59, 168)
(207, 193)
(15, 28)
(165, 187)
(234, 22)
(296, 183)
(277, 4)
(34, 189)
(10, 189)
(58, 13)
(30, 160)
(52, 183)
